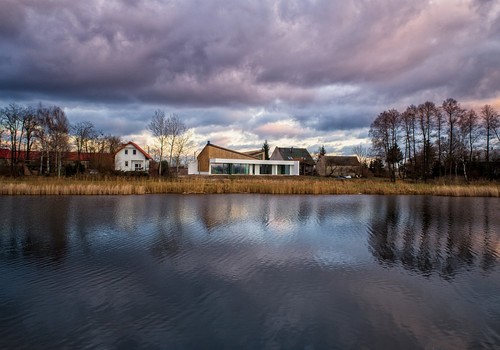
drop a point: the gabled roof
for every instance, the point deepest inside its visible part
(137, 147)
(258, 154)
(341, 160)
(294, 153)
(228, 150)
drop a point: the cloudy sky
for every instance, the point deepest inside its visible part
(297, 73)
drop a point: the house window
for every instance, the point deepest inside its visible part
(138, 166)
(266, 169)
(240, 169)
(126, 151)
(134, 152)
(284, 169)
(126, 162)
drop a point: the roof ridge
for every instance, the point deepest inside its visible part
(229, 150)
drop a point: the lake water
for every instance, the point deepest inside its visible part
(249, 272)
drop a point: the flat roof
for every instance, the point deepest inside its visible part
(254, 161)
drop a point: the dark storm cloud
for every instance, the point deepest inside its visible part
(340, 119)
(218, 62)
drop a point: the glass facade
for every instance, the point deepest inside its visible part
(231, 169)
(249, 169)
(283, 169)
(266, 169)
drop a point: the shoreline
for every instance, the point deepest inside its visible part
(242, 185)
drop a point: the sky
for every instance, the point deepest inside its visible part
(295, 73)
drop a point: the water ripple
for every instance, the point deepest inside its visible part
(251, 272)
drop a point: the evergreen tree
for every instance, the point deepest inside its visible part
(265, 149)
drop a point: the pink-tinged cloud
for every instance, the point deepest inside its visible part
(280, 129)
(199, 57)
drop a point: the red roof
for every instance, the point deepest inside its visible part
(136, 146)
(5, 153)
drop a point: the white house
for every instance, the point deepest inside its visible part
(131, 157)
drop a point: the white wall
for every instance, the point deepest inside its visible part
(125, 159)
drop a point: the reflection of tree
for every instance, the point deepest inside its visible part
(489, 254)
(39, 230)
(431, 234)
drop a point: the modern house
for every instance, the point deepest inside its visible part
(306, 162)
(131, 157)
(216, 160)
(338, 166)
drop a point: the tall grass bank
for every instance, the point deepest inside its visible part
(205, 185)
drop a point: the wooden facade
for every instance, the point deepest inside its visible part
(213, 151)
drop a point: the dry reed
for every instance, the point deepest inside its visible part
(267, 185)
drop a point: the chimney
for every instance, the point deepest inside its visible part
(208, 142)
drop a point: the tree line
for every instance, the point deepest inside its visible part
(432, 140)
(47, 130)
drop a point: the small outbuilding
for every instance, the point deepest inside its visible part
(338, 166)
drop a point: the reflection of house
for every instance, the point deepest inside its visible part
(131, 157)
(338, 166)
(306, 163)
(216, 160)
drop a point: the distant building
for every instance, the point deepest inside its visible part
(338, 166)
(216, 160)
(257, 154)
(131, 157)
(306, 162)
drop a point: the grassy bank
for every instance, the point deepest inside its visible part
(278, 185)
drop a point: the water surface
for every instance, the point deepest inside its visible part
(249, 272)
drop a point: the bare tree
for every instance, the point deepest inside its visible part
(42, 133)
(183, 146)
(175, 129)
(30, 126)
(83, 133)
(469, 132)
(53, 132)
(362, 154)
(409, 121)
(426, 114)
(452, 112)
(439, 122)
(59, 135)
(167, 132)
(384, 132)
(11, 118)
(113, 142)
(490, 122)
(159, 127)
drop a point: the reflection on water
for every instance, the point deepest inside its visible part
(435, 234)
(254, 272)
